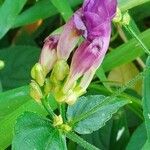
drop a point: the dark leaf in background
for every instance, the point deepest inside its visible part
(146, 103)
(8, 12)
(100, 138)
(138, 138)
(18, 63)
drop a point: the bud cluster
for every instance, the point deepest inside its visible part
(44, 84)
(58, 122)
(122, 18)
(51, 73)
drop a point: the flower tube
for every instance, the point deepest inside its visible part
(49, 55)
(68, 40)
(96, 16)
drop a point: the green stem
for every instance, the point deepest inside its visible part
(131, 31)
(74, 137)
(47, 107)
(62, 109)
(136, 111)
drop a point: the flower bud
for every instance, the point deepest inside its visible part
(86, 56)
(35, 91)
(38, 73)
(48, 86)
(60, 70)
(49, 55)
(86, 79)
(66, 128)
(60, 96)
(57, 120)
(71, 98)
(118, 16)
(126, 19)
(79, 90)
(74, 93)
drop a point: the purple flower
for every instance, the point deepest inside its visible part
(49, 55)
(94, 21)
(68, 40)
(93, 15)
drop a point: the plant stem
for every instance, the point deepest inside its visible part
(74, 137)
(62, 109)
(47, 107)
(131, 31)
(136, 111)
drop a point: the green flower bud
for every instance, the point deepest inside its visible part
(79, 90)
(38, 73)
(66, 128)
(2, 64)
(118, 16)
(57, 121)
(60, 70)
(35, 91)
(73, 95)
(48, 86)
(126, 19)
(60, 96)
(71, 99)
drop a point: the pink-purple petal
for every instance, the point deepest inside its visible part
(48, 55)
(68, 40)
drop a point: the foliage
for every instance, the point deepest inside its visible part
(114, 113)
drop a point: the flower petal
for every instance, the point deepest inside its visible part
(93, 14)
(49, 55)
(68, 40)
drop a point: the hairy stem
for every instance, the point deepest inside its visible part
(74, 137)
(131, 31)
(62, 109)
(47, 107)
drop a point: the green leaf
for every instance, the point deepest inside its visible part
(100, 138)
(102, 77)
(85, 123)
(18, 63)
(123, 74)
(8, 12)
(12, 104)
(146, 101)
(35, 132)
(119, 131)
(137, 139)
(12, 99)
(32, 14)
(126, 52)
(63, 7)
(113, 136)
(146, 145)
(128, 4)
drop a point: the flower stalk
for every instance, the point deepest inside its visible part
(74, 137)
(47, 107)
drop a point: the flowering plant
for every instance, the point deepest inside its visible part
(70, 97)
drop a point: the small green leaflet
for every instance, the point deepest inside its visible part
(86, 124)
(33, 132)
